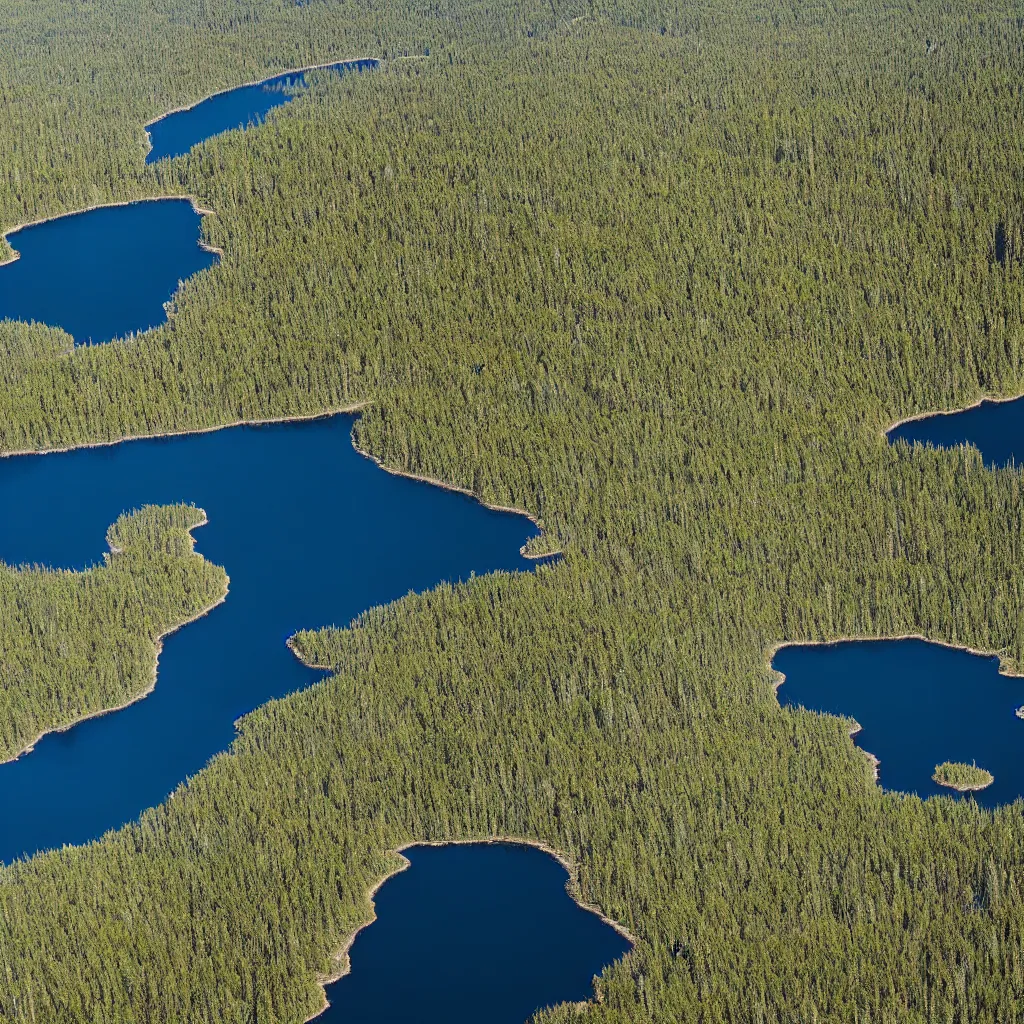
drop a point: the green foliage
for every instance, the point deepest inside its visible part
(963, 777)
(74, 644)
(661, 276)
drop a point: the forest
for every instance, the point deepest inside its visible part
(963, 777)
(73, 644)
(661, 275)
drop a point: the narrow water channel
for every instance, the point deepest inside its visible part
(176, 133)
(311, 534)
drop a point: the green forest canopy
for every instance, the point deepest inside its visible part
(73, 644)
(701, 256)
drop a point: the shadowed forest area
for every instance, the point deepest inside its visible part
(662, 276)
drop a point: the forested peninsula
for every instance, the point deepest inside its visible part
(76, 644)
(660, 275)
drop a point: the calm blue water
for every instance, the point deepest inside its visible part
(311, 534)
(104, 273)
(919, 704)
(175, 134)
(996, 429)
(484, 932)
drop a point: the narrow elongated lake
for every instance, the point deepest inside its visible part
(310, 532)
(104, 273)
(176, 133)
(996, 429)
(920, 704)
(482, 932)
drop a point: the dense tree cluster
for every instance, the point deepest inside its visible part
(963, 777)
(661, 275)
(75, 643)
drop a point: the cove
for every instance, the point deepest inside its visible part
(104, 273)
(483, 931)
(174, 134)
(919, 704)
(310, 532)
(996, 429)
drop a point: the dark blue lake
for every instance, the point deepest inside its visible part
(311, 534)
(919, 704)
(176, 133)
(483, 932)
(104, 273)
(996, 429)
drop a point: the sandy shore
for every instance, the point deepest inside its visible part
(298, 418)
(965, 788)
(994, 399)
(341, 957)
(28, 748)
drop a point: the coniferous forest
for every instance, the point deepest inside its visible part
(659, 274)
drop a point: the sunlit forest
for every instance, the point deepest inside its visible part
(73, 644)
(660, 275)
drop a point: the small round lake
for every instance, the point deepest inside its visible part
(470, 933)
(996, 429)
(311, 533)
(104, 273)
(919, 704)
(176, 133)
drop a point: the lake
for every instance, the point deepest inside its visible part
(311, 534)
(176, 133)
(996, 429)
(103, 273)
(468, 933)
(920, 704)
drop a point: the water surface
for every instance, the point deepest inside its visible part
(311, 534)
(920, 704)
(103, 273)
(176, 133)
(481, 932)
(996, 429)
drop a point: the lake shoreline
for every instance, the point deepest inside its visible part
(244, 85)
(260, 81)
(948, 412)
(346, 410)
(159, 644)
(301, 418)
(875, 762)
(1005, 664)
(966, 787)
(341, 957)
(196, 208)
(188, 431)
(434, 482)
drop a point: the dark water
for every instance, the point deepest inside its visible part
(996, 429)
(920, 704)
(484, 932)
(311, 534)
(104, 273)
(176, 133)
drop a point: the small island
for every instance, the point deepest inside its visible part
(963, 778)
